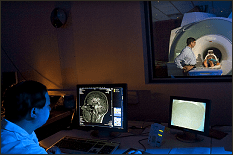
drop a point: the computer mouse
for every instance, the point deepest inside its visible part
(134, 152)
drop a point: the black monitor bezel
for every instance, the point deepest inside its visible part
(125, 102)
(207, 115)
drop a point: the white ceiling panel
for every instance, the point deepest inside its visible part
(166, 7)
(183, 6)
(159, 3)
(202, 3)
(165, 10)
(157, 14)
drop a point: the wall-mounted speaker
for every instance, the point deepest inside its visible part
(58, 17)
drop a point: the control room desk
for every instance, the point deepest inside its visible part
(169, 143)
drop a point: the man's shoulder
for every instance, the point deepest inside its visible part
(7, 136)
(11, 145)
(19, 149)
(187, 48)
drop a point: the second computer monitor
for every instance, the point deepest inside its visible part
(189, 115)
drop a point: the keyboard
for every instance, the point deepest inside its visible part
(74, 145)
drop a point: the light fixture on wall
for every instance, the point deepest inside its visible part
(58, 17)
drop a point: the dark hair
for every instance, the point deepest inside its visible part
(189, 40)
(19, 99)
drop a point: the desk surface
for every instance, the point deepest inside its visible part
(169, 143)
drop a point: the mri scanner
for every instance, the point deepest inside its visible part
(211, 33)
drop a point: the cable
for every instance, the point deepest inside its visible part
(169, 151)
(211, 145)
(142, 144)
(211, 140)
(13, 63)
(43, 76)
(29, 66)
(139, 141)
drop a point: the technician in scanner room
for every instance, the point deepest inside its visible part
(186, 60)
(27, 107)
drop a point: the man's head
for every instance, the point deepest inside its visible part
(191, 42)
(26, 100)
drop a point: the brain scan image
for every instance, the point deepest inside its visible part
(95, 107)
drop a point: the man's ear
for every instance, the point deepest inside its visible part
(33, 113)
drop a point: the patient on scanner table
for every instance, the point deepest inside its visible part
(211, 60)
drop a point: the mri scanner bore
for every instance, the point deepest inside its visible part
(95, 107)
(211, 60)
(213, 37)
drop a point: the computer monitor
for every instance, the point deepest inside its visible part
(102, 108)
(191, 115)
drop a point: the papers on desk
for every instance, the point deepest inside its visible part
(194, 150)
(200, 150)
(219, 150)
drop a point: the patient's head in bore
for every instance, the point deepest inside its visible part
(27, 104)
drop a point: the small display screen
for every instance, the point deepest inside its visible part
(188, 114)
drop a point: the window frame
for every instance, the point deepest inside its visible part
(149, 56)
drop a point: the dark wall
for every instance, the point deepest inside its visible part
(102, 42)
(161, 34)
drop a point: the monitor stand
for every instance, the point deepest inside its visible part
(188, 137)
(104, 134)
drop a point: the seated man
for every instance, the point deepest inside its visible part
(27, 107)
